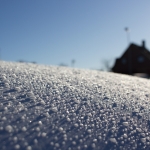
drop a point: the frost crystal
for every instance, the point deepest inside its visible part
(47, 107)
(9, 128)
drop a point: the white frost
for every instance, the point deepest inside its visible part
(49, 108)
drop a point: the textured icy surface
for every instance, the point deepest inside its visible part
(58, 108)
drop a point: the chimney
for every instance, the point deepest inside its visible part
(143, 44)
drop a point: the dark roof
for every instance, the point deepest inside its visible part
(133, 51)
(142, 49)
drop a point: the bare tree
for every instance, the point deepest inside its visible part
(24, 61)
(63, 64)
(73, 62)
(106, 65)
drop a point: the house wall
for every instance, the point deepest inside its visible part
(140, 62)
(134, 60)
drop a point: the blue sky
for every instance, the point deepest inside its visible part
(51, 32)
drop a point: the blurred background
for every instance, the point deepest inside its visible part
(82, 34)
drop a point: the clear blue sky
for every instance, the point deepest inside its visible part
(56, 31)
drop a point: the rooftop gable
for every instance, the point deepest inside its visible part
(132, 47)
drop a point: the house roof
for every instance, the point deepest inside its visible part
(133, 52)
(142, 49)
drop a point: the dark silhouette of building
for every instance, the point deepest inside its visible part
(136, 59)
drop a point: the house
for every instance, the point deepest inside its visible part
(135, 60)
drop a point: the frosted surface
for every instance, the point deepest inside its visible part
(59, 108)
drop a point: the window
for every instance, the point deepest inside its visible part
(140, 59)
(124, 60)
